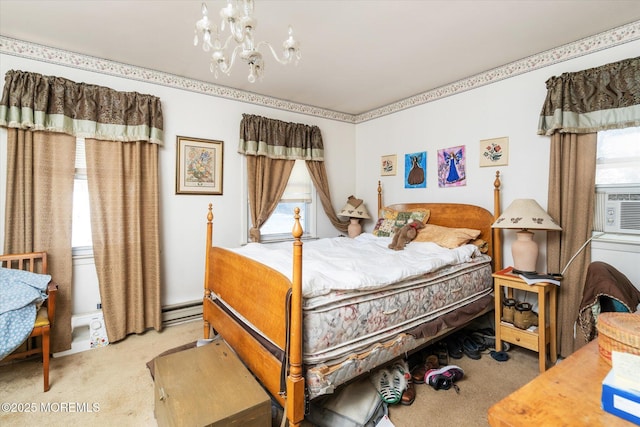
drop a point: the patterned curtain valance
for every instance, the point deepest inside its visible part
(55, 104)
(260, 136)
(606, 97)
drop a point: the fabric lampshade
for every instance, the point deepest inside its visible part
(355, 210)
(525, 215)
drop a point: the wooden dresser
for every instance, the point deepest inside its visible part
(568, 394)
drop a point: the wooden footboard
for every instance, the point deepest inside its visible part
(269, 302)
(259, 295)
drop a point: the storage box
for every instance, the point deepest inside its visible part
(208, 386)
(624, 403)
(618, 332)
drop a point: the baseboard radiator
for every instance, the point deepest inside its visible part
(180, 313)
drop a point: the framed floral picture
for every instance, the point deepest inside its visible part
(388, 165)
(494, 152)
(198, 166)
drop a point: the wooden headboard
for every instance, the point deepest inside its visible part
(460, 215)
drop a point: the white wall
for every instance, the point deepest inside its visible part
(509, 108)
(183, 217)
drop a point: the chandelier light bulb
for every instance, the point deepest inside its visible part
(241, 30)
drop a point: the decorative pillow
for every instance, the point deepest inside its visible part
(445, 236)
(391, 219)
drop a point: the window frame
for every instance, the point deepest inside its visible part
(309, 226)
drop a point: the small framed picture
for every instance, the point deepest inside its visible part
(494, 152)
(452, 167)
(415, 170)
(198, 166)
(388, 165)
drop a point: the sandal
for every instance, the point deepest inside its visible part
(382, 381)
(408, 392)
(398, 381)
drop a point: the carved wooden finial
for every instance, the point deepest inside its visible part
(210, 213)
(496, 183)
(297, 227)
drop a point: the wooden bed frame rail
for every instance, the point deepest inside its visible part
(265, 308)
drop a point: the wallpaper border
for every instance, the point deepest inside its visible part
(616, 36)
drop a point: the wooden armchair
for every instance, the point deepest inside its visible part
(35, 262)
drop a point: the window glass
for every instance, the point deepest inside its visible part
(81, 221)
(297, 194)
(618, 157)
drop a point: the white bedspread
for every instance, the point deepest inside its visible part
(363, 263)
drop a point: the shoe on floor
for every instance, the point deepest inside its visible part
(471, 348)
(454, 346)
(409, 395)
(444, 378)
(417, 375)
(442, 353)
(382, 380)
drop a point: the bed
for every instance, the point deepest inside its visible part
(302, 343)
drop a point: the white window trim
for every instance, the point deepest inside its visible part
(310, 234)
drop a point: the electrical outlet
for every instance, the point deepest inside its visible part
(99, 306)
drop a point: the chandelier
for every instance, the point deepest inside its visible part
(237, 17)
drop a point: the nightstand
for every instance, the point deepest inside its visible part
(535, 338)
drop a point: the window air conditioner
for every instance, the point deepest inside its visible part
(622, 211)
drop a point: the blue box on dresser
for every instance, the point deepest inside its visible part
(620, 401)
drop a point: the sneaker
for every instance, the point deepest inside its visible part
(444, 378)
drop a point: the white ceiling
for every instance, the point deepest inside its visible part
(357, 55)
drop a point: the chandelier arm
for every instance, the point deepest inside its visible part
(232, 61)
(284, 61)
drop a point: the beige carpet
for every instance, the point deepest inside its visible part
(112, 386)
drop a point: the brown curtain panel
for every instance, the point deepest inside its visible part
(281, 142)
(61, 110)
(320, 180)
(572, 173)
(123, 190)
(577, 106)
(267, 180)
(39, 204)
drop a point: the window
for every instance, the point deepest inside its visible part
(299, 193)
(81, 221)
(618, 157)
(617, 201)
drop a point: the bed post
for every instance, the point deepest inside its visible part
(379, 199)
(497, 235)
(207, 326)
(295, 403)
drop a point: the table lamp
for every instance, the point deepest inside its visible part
(525, 214)
(354, 210)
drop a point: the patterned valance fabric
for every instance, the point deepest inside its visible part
(606, 97)
(260, 136)
(55, 104)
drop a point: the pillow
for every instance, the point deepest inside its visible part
(445, 236)
(391, 219)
